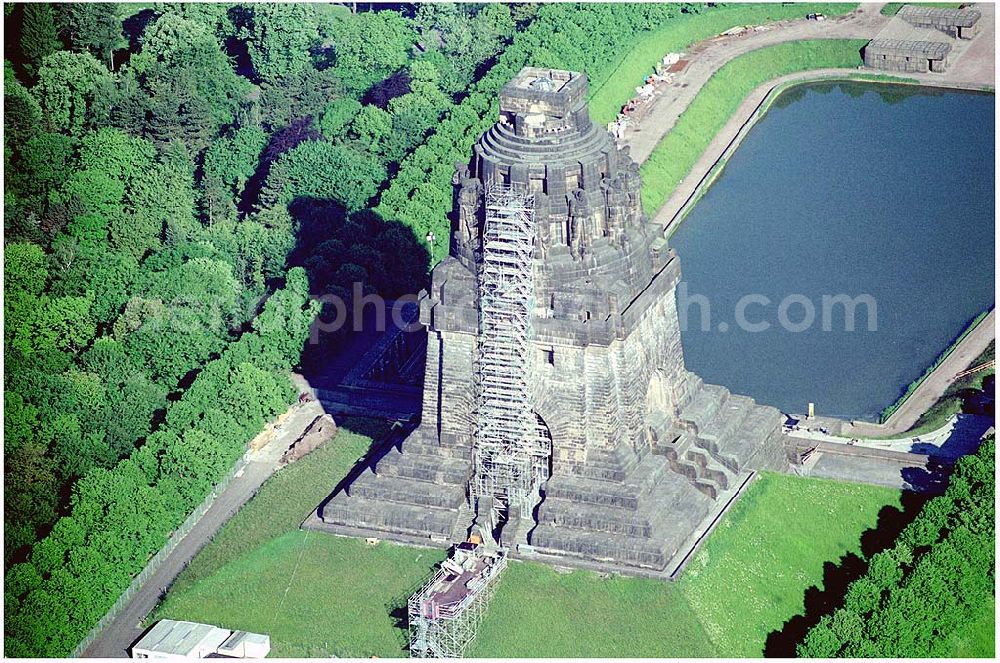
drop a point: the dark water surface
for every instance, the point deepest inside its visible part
(854, 189)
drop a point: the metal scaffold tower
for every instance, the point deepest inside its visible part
(511, 454)
(445, 613)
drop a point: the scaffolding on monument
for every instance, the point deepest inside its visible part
(445, 613)
(511, 453)
(512, 445)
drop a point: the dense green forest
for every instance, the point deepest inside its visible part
(932, 584)
(180, 178)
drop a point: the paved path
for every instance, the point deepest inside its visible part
(919, 464)
(119, 635)
(957, 436)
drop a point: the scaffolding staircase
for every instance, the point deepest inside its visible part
(511, 453)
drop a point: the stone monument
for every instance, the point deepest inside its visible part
(641, 453)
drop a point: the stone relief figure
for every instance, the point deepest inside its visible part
(544, 233)
(633, 183)
(579, 210)
(617, 211)
(470, 196)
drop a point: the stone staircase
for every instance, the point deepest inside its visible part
(717, 437)
(635, 514)
(463, 524)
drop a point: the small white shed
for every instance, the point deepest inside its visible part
(242, 644)
(175, 639)
(179, 639)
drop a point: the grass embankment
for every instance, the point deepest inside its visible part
(953, 399)
(672, 159)
(887, 412)
(752, 573)
(892, 8)
(676, 36)
(318, 594)
(540, 613)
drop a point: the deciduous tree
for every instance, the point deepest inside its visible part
(316, 169)
(74, 91)
(278, 38)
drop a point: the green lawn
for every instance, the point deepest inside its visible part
(750, 576)
(314, 594)
(672, 159)
(285, 500)
(677, 36)
(318, 594)
(538, 612)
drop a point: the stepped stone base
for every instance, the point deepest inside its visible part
(626, 511)
(416, 491)
(640, 522)
(639, 509)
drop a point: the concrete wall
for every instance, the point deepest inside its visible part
(894, 61)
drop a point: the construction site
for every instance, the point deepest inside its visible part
(444, 614)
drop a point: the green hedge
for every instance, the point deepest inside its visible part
(675, 155)
(930, 585)
(120, 517)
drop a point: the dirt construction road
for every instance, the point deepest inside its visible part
(710, 55)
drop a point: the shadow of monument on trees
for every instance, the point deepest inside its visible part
(299, 130)
(346, 254)
(824, 598)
